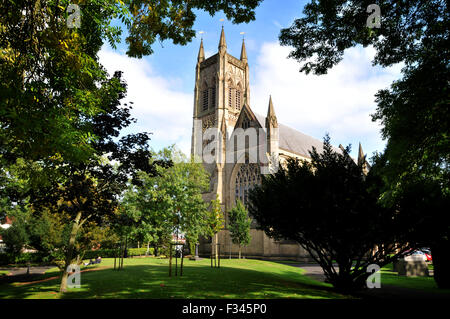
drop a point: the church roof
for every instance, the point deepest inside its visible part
(292, 140)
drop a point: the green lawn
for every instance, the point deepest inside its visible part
(390, 277)
(148, 278)
(4, 272)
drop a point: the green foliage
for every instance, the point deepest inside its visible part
(174, 20)
(239, 225)
(215, 217)
(413, 111)
(51, 79)
(168, 202)
(15, 238)
(111, 253)
(331, 209)
(410, 32)
(21, 258)
(140, 251)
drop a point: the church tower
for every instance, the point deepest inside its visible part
(221, 90)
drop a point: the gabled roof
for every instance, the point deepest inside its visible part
(292, 140)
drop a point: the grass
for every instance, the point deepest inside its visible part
(4, 272)
(148, 278)
(390, 277)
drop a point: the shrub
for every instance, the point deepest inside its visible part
(111, 253)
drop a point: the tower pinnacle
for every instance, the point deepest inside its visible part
(243, 52)
(201, 53)
(361, 157)
(222, 42)
(271, 119)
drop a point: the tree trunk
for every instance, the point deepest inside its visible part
(148, 249)
(69, 254)
(441, 263)
(217, 241)
(240, 249)
(212, 247)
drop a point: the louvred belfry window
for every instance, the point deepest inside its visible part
(205, 100)
(238, 100)
(213, 97)
(230, 97)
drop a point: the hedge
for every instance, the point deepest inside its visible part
(23, 258)
(111, 253)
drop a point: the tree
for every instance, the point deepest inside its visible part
(331, 209)
(174, 20)
(55, 110)
(89, 191)
(214, 223)
(50, 76)
(170, 201)
(239, 225)
(413, 110)
(51, 80)
(151, 221)
(15, 238)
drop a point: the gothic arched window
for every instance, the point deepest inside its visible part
(245, 123)
(230, 96)
(247, 177)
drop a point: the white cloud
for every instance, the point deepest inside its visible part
(158, 106)
(339, 102)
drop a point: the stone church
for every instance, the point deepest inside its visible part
(222, 101)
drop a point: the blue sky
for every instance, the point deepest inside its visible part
(340, 103)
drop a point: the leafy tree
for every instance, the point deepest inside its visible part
(239, 225)
(170, 201)
(89, 192)
(50, 76)
(51, 80)
(331, 209)
(214, 222)
(15, 238)
(150, 219)
(412, 111)
(174, 20)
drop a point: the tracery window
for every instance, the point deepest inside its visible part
(230, 97)
(247, 177)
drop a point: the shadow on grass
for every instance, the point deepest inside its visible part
(198, 281)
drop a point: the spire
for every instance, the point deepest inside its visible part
(271, 119)
(201, 53)
(222, 43)
(243, 52)
(361, 157)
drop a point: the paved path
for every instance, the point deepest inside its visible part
(23, 270)
(313, 271)
(19, 274)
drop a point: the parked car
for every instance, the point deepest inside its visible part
(427, 253)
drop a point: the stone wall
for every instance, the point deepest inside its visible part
(261, 247)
